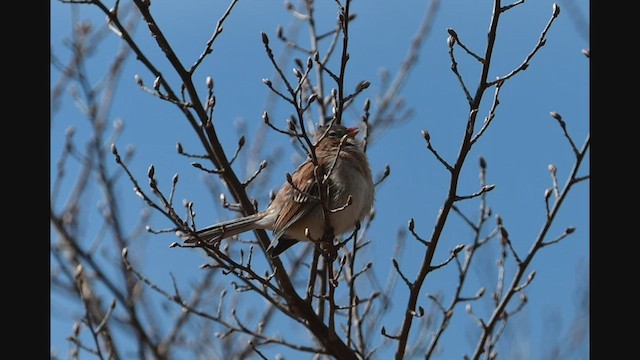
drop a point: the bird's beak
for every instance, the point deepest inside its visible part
(352, 132)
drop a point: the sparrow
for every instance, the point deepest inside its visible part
(296, 213)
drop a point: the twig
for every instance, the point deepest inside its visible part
(208, 50)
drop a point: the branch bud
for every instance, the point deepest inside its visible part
(483, 163)
(209, 82)
(156, 83)
(503, 232)
(555, 115)
(79, 271)
(362, 85)
(458, 248)
(76, 328)
(292, 125)
(118, 124)
(531, 276)
(453, 33)
(265, 38)
(451, 41)
(425, 135)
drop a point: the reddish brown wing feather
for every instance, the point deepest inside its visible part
(292, 211)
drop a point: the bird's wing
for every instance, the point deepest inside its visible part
(297, 203)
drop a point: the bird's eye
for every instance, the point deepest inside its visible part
(333, 134)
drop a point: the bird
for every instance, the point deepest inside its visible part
(296, 213)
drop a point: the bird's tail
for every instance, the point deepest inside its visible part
(221, 230)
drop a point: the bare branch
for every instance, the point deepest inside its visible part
(218, 30)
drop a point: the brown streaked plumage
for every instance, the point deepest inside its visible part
(293, 211)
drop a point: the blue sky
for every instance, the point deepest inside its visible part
(518, 147)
